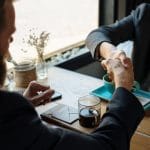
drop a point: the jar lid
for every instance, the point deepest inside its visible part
(25, 65)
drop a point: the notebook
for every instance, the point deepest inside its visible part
(61, 112)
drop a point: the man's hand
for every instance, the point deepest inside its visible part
(37, 93)
(119, 54)
(122, 76)
(109, 51)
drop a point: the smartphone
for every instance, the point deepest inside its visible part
(56, 96)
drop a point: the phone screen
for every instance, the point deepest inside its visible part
(56, 96)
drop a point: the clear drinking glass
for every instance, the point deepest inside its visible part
(89, 107)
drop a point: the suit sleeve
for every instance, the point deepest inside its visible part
(116, 128)
(119, 123)
(116, 33)
(18, 117)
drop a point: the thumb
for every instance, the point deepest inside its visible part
(107, 64)
(41, 98)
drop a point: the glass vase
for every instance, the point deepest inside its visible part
(42, 71)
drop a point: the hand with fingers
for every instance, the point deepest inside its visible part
(38, 94)
(109, 51)
(119, 54)
(119, 74)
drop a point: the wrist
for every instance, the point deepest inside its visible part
(106, 49)
(126, 86)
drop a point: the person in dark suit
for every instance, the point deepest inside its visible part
(102, 42)
(7, 28)
(22, 129)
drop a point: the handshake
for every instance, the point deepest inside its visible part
(120, 70)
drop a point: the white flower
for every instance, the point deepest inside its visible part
(38, 41)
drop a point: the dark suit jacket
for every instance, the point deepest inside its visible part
(21, 128)
(135, 27)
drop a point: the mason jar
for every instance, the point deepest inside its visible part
(24, 73)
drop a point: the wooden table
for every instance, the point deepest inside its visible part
(74, 85)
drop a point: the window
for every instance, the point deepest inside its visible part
(67, 21)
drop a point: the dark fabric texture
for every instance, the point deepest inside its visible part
(132, 4)
(2, 4)
(135, 27)
(21, 128)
